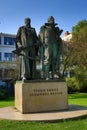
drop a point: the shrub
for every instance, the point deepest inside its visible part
(72, 84)
(3, 93)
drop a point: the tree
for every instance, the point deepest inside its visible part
(81, 24)
(9, 70)
(78, 57)
(67, 56)
(79, 43)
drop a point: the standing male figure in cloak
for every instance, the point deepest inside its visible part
(27, 39)
(51, 48)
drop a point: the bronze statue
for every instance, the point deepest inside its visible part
(27, 47)
(51, 48)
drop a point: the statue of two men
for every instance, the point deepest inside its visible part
(48, 43)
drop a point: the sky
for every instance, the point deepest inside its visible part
(67, 13)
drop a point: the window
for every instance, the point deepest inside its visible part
(0, 57)
(9, 41)
(9, 56)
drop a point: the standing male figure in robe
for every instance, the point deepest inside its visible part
(51, 48)
(27, 38)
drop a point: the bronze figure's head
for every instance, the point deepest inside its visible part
(27, 21)
(51, 20)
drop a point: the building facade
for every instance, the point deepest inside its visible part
(7, 58)
(7, 45)
(67, 37)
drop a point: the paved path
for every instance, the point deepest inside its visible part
(75, 111)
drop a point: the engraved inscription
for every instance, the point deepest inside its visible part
(45, 92)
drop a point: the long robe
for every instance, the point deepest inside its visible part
(27, 38)
(51, 48)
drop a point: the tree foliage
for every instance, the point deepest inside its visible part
(67, 56)
(78, 82)
(81, 24)
(10, 71)
(79, 43)
(76, 55)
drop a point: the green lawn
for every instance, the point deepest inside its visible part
(23, 125)
(78, 98)
(5, 103)
(81, 124)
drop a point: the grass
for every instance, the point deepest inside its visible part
(8, 102)
(78, 99)
(22, 125)
(81, 124)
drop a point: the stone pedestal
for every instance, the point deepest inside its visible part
(41, 96)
